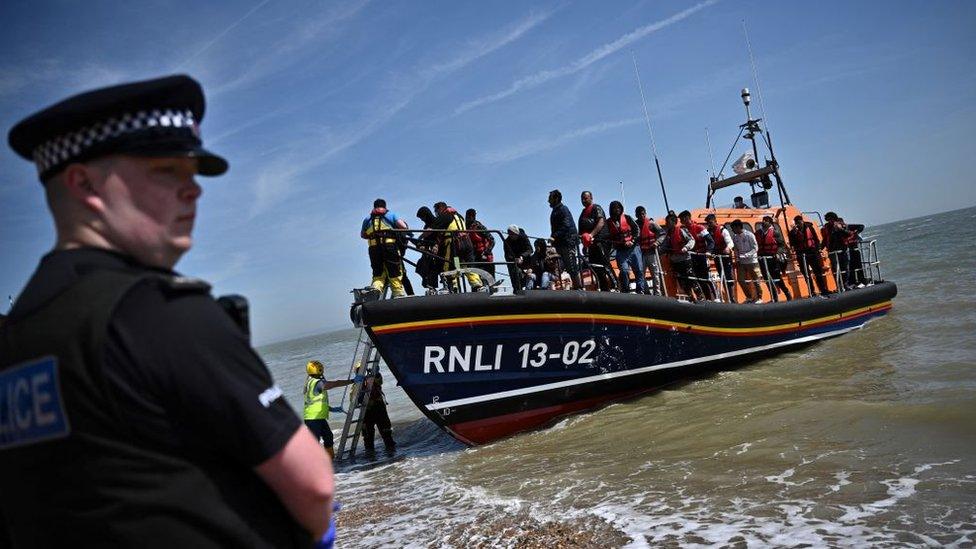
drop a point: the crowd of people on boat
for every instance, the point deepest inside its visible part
(614, 252)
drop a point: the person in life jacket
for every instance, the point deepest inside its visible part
(384, 253)
(722, 254)
(834, 236)
(679, 242)
(856, 277)
(704, 244)
(376, 416)
(316, 397)
(651, 236)
(595, 234)
(769, 250)
(805, 242)
(453, 243)
(482, 241)
(625, 237)
(133, 409)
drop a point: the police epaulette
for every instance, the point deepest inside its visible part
(184, 284)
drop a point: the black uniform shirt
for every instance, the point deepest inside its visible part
(190, 385)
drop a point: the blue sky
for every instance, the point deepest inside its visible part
(322, 107)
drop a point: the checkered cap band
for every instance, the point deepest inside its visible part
(74, 144)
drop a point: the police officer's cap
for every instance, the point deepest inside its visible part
(158, 117)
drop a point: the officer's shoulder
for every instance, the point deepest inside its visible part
(178, 285)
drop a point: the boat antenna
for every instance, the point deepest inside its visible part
(623, 198)
(711, 159)
(647, 120)
(755, 76)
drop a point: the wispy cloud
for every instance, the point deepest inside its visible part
(535, 146)
(277, 179)
(593, 56)
(314, 29)
(55, 73)
(221, 34)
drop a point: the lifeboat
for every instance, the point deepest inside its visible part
(487, 365)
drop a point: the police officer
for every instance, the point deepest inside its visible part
(384, 254)
(316, 397)
(135, 412)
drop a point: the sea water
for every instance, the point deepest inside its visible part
(864, 440)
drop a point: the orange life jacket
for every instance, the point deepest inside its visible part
(807, 242)
(767, 242)
(647, 238)
(718, 238)
(620, 233)
(700, 245)
(676, 241)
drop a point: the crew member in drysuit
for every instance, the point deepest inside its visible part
(834, 236)
(679, 243)
(482, 241)
(699, 253)
(133, 410)
(651, 236)
(316, 396)
(770, 247)
(453, 242)
(806, 244)
(564, 236)
(595, 236)
(429, 264)
(518, 252)
(384, 253)
(722, 253)
(625, 237)
(376, 416)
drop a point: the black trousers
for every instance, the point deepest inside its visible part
(682, 272)
(385, 256)
(320, 430)
(599, 254)
(376, 417)
(810, 261)
(769, 265)
(699, 266)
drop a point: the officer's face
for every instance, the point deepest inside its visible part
(149, 206)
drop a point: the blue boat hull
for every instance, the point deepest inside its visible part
(485, 367)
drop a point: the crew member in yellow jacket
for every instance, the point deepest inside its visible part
(317, 403)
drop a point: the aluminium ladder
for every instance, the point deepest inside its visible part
(366, 363)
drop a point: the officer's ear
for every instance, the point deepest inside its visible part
(78, 180)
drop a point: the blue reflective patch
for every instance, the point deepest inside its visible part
(31, 408)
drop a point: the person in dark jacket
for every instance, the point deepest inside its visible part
(376, 416)
(834, 237)
(595, 234)
(429, 263)
(704, 245)
(770, 260)
(806, 244)
(856, 277)
(518, 252)
(482, 241)
(453, 242)
(539, 277)
(625, 237)
(564, 236)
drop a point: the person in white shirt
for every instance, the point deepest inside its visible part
(747, 257)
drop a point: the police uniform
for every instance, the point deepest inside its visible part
(132, 407)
